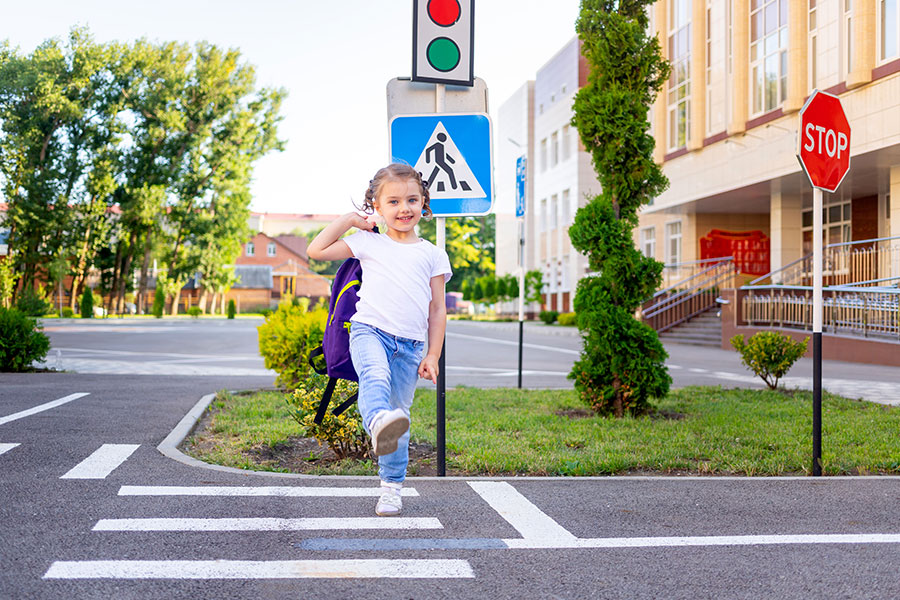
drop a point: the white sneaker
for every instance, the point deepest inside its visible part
(387, 427)
(389, 504)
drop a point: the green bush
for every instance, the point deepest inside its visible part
(159, 301)
(568, 319)
(344, 433)
(21, 341)
(548, 316)
(230, 310)
(286, 339)
(769, 354)
(32, 303)
(67, 312)
(195, 311)
(87, 303)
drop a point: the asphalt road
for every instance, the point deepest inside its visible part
(89, 508)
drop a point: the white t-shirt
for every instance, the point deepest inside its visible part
(396, 284)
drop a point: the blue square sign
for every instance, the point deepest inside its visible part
(453, 154)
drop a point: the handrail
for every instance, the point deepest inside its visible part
(723, 259)
(697, 262)
(683, 296)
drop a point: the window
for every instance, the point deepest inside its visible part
(251, 249)
(270, 249)
(835, 223)
(709, 90)
(768, 53)
(543, 224)
(554, 211)
(890, 26)
(648, 241)
(563, 91)
(544, 154)
(554, 149)
(813, 50)
(679, 100)
(566, 142)
(673, 243)
(848, 33)
(566, 209)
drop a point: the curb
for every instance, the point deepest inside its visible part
(169, 447)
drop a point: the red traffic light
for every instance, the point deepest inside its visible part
(444, 12)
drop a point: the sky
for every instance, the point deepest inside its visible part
(333, 57)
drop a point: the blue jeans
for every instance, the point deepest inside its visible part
(388, 369)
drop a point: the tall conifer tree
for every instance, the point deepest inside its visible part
(622, 364)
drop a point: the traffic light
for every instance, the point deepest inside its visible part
(443, 36)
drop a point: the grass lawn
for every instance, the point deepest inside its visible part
(696, 430)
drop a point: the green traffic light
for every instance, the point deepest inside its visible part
(443, 54)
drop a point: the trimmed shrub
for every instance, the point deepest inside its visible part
(548, 316)
(32, 303)
(21, 341)
(769, 354)
(67, 312)
(286, 339)
(344, 433)
(195, 311)
(230, 310)
(159, 301)
(568, 319)
(87, 303)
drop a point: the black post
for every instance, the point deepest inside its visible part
(441, 413)
(521, 328)
(817, 403)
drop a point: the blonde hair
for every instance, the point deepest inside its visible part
(395, 171)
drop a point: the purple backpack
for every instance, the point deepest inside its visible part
(336, 340)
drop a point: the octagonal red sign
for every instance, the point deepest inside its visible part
(824, 149)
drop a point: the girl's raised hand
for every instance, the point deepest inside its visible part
(360, 222)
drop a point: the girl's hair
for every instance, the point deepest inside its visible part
(395, 171)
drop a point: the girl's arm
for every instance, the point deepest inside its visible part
(437, 325)
(328, 244)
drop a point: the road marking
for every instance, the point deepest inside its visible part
(7, 447)
(101, 462)
(266, 524)
(509, 343)
(278, 569)
(282, 491)
(725, 540)
(42, 407)
(162, 354)
(519, 512)
(392, 544)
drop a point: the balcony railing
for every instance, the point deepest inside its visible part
(690, 296)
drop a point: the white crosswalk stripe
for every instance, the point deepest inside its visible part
(6, 447)
(101, 462)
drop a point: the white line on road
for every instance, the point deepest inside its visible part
(266, 524)
(283, 491)
(528, 519)
(42, 407)
(245, 569)
(7, 447)
(101, 462)
(725, 540)
(509, 343)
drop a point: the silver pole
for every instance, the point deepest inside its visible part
(817, 332)
(441, 417)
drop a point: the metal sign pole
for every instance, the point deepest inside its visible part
(817, 332)
(521, 294)
(441, 421)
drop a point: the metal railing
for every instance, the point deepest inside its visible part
(843, 264)
(691, 296)
(676, 273)
(867, 308)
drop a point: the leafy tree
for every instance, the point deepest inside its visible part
(534, 286)
(622, 364)
(511, 286)
(8, 279)
(87, 303)
(470, 246)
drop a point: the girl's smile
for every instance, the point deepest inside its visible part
(400, 203)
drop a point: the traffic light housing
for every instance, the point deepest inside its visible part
(443, 37)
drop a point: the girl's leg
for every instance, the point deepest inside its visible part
(404, 367)
(370, 359)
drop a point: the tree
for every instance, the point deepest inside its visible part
(534, 286)
(470, 246)
(622, 363)
(87, 303)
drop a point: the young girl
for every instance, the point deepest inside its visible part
(401, 305)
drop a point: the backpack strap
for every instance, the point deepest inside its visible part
(325, 401)
(345, 404)
(320, 351)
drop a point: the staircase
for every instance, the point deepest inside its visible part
(703, 330)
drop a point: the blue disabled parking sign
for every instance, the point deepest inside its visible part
(453, 154)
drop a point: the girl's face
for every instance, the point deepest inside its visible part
(400, 203)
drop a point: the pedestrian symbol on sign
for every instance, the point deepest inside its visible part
(445, 169)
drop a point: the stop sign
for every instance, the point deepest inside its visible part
(824, 141)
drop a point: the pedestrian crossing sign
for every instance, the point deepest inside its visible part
(453, 153)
